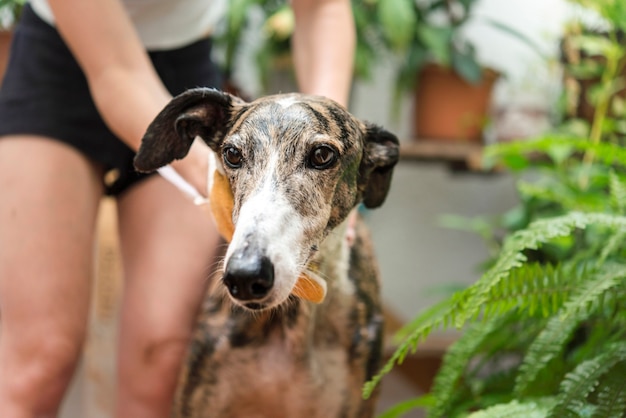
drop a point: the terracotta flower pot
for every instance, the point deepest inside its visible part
(5, 44)
(449, 108)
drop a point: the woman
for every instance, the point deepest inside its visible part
(79, 93)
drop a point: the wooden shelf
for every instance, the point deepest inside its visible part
(459, 155)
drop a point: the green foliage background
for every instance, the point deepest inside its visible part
(544, 328)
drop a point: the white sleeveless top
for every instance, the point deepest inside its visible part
(162, 24)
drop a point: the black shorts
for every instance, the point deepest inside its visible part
(45, 92)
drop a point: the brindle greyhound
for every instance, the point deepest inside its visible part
(296, 166)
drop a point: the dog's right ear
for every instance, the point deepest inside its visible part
(380, 156)
(199, 112)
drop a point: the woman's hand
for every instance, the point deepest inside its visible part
(194, 168)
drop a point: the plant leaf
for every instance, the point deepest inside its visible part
(437, 40)
(403, 407)
(398, 20)
(617, 190)
(455, 364)
(517, 409)
(579, 383)
(612, 394)
(512, 256)
(464, 63)
(552, 340)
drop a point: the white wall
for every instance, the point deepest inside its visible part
(539, 20)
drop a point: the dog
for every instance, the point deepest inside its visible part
(294, 327)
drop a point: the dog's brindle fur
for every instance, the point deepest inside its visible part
(272, 354)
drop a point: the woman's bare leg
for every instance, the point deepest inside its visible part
(50, 196)
(168, 247)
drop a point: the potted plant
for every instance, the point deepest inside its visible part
(452, 89)
(9, 13)
(544, 327)
(587, 49)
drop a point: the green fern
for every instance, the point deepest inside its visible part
(551, 341)
(546, 193)
(477, 299)
(612, 394)
(584, 379)
(590, 291)
(403, 407)
(608, 153)
(455, 363)
(429, 316)
(557, 284)
(534, 288)
(516, 409)
(477, 296)
(612, 245)
(547, 346)
(617, 191)
(432, 319)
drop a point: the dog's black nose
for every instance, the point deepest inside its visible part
(249, 277)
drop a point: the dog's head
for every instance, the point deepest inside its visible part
(296, 166)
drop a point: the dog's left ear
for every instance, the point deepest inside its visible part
(381, 154)
(199, 112)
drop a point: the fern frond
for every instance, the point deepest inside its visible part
(437, 318)
(590, 291)
(403, 407)
(612, 394)
(617, 191)
(605, 152)
(464, 305)
(477, 296)
(546, 347)
(551, 341)
(516, 409)
(612, 245)
(532, 288)
(580, 382)
(430, 315)
(455, 363)
(549, 192)
(469, 303)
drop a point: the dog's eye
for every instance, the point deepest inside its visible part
(322, 157)
(232, 157)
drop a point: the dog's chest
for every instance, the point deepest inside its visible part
(270, 381)
(277, 376)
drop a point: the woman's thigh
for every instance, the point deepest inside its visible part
(50, 197)
(169, 248)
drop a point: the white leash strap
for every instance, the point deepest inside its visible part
(171, 175)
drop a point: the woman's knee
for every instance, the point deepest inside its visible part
(153, 370)
(39, 371)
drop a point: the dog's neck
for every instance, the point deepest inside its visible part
(333, 261)
(326, 321)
